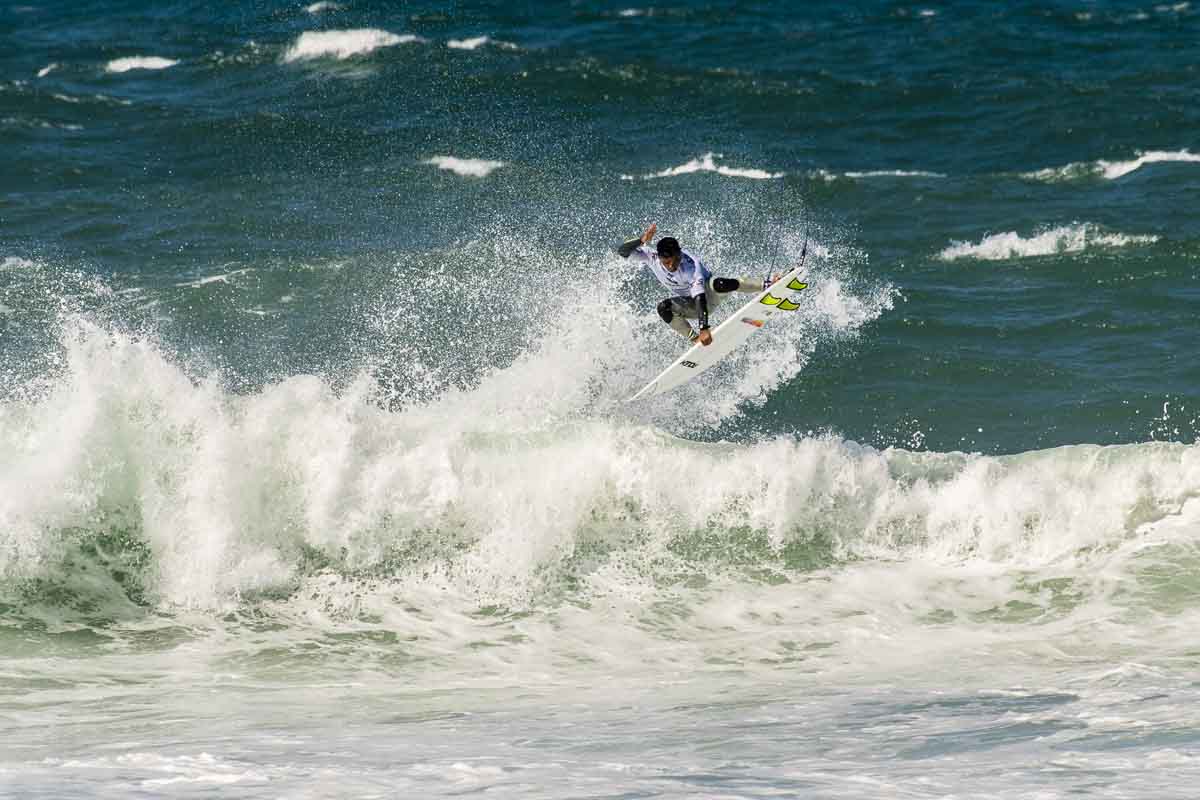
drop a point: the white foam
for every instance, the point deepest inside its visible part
(343, 44)
(46, 70)
(176, 769)
(830, 177)
(1064, 239)
(139, 62)
(534, 476)
(1111, 170)
(1115, 169)
(468, 44)
(894, 173)
(324, 5)
(707, 163)
(223, 277)
(467, 167)
(487, 496)
(197, 462)
(14, 263)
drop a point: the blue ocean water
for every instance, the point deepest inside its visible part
(318, 478)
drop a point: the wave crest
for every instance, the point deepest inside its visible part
(343, 44)
(1110, 170)
(1063, 239)
(707, 163)
(138, 62)
(467, 167)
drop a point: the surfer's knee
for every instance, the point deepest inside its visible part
(666, 311)
(724, 285)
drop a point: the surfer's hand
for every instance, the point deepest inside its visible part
(705, 337)
(649, 234)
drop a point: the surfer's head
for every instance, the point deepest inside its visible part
(669, 252)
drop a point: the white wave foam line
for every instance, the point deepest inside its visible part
(139, 62)
(324, 5)
(468, 44)
(46, 70)
(343, 44)
(895, 173)
(1111, 170)
(1065, 239)
(707, 163)
(467, 167)
(479, 41)
(1115, 169)
(829, 177)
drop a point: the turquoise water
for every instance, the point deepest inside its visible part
(318, 480)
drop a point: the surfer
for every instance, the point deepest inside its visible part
(694, 289)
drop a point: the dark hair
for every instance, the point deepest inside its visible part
(668, 246)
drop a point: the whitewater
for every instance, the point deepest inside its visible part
(517, 555)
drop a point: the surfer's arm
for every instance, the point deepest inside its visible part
(636, 249)
(637, 244)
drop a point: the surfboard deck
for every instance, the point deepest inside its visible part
(730, 334)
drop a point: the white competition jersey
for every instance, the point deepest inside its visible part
(689, 280)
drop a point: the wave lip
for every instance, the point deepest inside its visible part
(467, 167)
(1063, 239)
(138, 62)
(343, 44)
(1110, 170)
(707, 163)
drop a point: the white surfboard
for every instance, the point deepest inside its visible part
(730, 334)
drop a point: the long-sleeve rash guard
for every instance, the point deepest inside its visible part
(690, 280)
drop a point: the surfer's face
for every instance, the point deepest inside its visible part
(670, 262)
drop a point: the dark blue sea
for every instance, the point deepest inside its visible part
(317, 474)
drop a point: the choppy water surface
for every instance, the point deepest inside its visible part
(317, 478)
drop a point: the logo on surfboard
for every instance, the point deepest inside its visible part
(757, 323)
